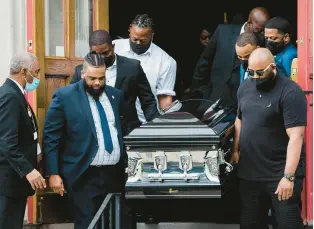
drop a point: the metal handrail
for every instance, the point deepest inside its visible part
(114, 199)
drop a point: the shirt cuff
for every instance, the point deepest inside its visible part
(38, 149)
(165, 92)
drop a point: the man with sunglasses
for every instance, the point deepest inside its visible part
(278, 41)
(268, 144)
(125, 74)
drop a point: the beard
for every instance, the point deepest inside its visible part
(95, 93)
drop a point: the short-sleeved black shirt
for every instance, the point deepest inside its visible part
(265, 117)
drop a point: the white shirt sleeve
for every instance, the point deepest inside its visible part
(167, 79)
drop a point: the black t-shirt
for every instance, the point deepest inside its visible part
(265, 117)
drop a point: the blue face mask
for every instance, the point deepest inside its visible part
(32, 86)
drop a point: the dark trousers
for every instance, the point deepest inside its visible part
(12, 211)
(256, 199)
(90, 190)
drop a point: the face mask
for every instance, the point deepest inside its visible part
(265, 84)
(275, 47)
(245, 64)
(109, 60)
(139, 49)
(32, 86)
(261, 38)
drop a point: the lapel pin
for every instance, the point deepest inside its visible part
(112, 97)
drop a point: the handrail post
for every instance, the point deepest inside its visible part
(111, 214)
(103, 220)
(114, 200)
(118, 211)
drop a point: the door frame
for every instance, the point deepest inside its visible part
(54, 66)
(305, 80)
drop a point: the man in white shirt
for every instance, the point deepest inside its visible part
(256, 23)
(159, 67)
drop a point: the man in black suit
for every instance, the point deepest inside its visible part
(127, 75)
(82, 141)
(18, 141)
(217, 74)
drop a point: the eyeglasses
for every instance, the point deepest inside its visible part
(259, 73)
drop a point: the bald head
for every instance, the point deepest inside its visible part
(257, 19)
(260, 58)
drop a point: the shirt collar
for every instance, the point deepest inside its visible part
(242, 29)
(285, 49)
(114, 63)
(21, 88)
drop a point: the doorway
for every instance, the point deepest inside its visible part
(178, 25)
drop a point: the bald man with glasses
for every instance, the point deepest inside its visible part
(268, 144)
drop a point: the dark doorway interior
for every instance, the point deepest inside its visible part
(178, 23)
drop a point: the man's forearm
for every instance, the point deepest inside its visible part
(293, 154)
(237, 131)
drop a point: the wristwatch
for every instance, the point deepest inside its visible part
(289, 176)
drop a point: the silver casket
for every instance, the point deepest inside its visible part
(178, 155)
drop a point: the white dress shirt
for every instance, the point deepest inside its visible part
(159, 67)
(111, 73)
(242, 29)
(103, 157)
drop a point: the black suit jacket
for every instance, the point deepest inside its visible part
(18, 149)
(132, 81)
(217, 70)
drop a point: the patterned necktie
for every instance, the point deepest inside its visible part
(105, 127)
(25, 96)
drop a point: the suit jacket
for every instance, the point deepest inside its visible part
(18, 149)
(132, 81)
(69, 139)
(218, 70)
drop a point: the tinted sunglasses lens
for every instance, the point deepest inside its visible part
(260, 73)
(250, 72)
(204, 38)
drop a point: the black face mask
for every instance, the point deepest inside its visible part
(245, 64)
(275, 47)
(93, 92)
(265, 84)
(261, 38)
(139, 49)
(109, 60)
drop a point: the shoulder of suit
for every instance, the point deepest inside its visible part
(229, 26)
(113, 90)
(8, 89)
(79, 67)
(128, 60)
(8, 93)
(67, 90)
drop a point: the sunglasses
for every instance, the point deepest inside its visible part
(259, 73)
